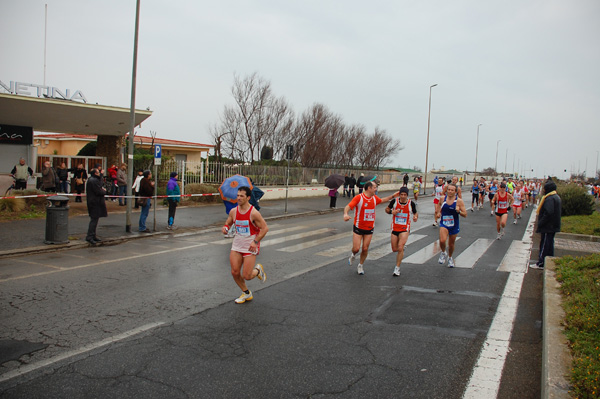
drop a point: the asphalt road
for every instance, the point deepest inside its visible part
(155, 318)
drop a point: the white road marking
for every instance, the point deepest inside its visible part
(471, 255)
(314, 243)
(224, 240)
(487, 374)
(517, 250)
(423, 255)
(386, 250)
(294, 237)
(102, 262)
(346, 248)
(87, 348)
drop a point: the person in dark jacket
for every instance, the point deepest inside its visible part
(351, 184)
(361, 182)
(96, 204)
(146, 190)
(548, 222)
(79, 178)
(63, 177)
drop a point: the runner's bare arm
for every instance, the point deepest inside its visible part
(389, 197)
(346, 216)
(228, 222)
(259, 222)
(460, 208)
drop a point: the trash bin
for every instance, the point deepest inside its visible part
(57, 220)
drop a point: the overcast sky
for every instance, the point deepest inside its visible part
(528, 71)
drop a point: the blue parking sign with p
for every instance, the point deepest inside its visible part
(157, 151)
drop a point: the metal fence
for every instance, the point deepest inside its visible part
(262, 175)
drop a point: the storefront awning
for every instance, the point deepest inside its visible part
(64, 116)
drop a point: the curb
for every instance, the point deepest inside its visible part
(556, 357)
(578, 237)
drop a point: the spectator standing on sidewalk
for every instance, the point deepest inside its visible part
(361, 183)
(63, 177)
(79, 177)
(333, 193)
(405, 180)
(96, 204)
(122, 184)
(135, 188)
(173, 193)
(19, 172)
(351, 185)
(146, 190)
(548, 222)
(49, 178)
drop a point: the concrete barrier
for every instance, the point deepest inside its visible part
(556, 356)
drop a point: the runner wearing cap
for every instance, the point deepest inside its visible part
(401, 210)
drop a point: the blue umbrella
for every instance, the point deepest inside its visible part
(230, 186)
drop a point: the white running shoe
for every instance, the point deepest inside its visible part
(435, 224)
(396, 271)
(450, 262)
(442, 258)
(515, 222)
(499, 236)
(262, 276)
(244, 297)
(502, 232)
(360, 269)
(351, 259)
(492, 213)
(472, 210)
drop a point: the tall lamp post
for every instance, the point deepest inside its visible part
(477, 149)
(496, 167)
(427, 151)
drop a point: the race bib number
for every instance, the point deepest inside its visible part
(448, 220)
(369, 215)
(242, 227)
(502, 204)
(401, 218)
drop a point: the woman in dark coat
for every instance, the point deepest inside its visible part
(79, 178)
(95, 203)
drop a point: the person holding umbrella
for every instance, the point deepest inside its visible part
(250, 228)
(333, 182)
(364, 221)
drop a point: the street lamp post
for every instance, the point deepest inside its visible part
(496, 166)
(427, 151)
(477, 149)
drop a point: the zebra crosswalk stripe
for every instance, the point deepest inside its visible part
(386, 250)
(423, 255)
(471, 255)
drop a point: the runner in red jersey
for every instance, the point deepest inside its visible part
(250, 228)
(401, 210)
(502, 201)
(364, 221)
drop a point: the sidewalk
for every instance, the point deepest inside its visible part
(19, 237)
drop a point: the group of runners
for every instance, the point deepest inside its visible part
(251, 228)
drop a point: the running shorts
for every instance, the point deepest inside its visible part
(361, 232)
(397, 233)
(475, 197)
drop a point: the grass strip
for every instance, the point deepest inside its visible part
(580, 287)
(581, 224)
